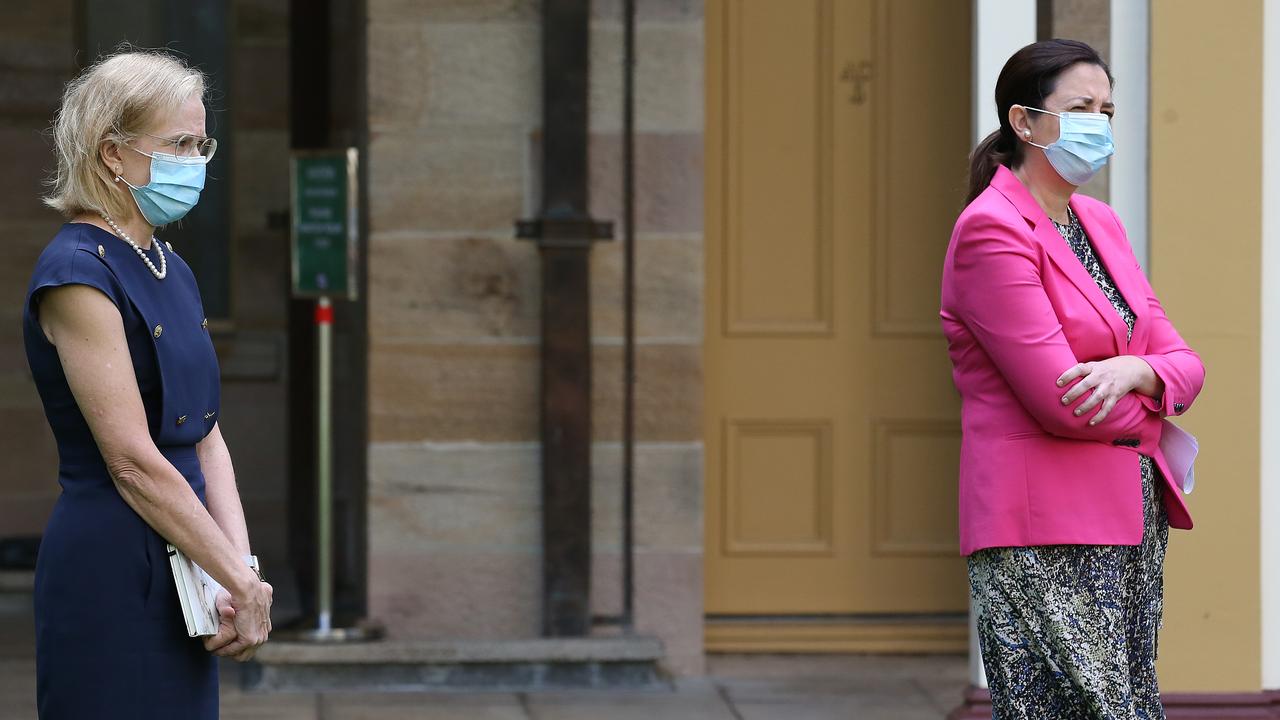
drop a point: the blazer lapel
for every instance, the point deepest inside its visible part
(1065, 258)
(1103, 233)
(1061, 254)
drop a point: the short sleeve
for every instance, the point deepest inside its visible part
(75, 266)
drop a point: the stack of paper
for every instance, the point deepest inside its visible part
(197, 592)
(1180, 449)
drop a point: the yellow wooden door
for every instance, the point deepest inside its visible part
(837, 132)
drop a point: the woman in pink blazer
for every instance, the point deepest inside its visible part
(1066, 363)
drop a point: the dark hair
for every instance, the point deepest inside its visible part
(1027, 79)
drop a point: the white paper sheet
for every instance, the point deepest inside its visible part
(1180, 449)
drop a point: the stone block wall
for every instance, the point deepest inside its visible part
(37, 57)
(455, 93)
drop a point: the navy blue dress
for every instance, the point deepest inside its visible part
(110, 640)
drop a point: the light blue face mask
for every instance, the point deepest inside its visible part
(1083, 146)
(176, 182)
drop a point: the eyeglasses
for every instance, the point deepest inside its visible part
(189, 145)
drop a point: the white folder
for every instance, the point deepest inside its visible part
(198, 593)
(1180, 449)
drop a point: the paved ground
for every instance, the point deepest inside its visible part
(831, 687)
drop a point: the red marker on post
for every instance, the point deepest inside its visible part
(324, 312)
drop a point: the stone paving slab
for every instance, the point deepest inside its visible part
(691, 700)
(834, 711)
(423, 706)
(18, 689)
(276, 706)
(831, 687)
(737, 687)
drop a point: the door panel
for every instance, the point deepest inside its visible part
(837, 132)
(778, 271)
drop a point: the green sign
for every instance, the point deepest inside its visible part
(325, 223)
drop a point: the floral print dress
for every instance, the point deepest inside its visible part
(1070, 631)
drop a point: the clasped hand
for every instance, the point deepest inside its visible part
(243, 625)
(1105, 382)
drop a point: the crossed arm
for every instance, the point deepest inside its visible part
(1001, 298)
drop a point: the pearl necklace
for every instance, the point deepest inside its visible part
(164, 267)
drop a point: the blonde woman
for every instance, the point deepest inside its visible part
(120, 352)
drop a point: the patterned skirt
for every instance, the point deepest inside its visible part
(1070, 631)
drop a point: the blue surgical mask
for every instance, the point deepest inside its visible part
(176, 182)
(1083, 146)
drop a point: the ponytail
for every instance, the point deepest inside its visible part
(990, 154)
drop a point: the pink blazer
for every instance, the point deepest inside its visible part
(1018, 310)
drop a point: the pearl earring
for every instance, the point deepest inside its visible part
(1027, 133)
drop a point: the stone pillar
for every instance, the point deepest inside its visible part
(455, 119)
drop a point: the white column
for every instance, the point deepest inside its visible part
(1000, 28)
(1269, 383)
(1130, 64)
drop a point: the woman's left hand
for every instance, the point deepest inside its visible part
(1109, 380)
